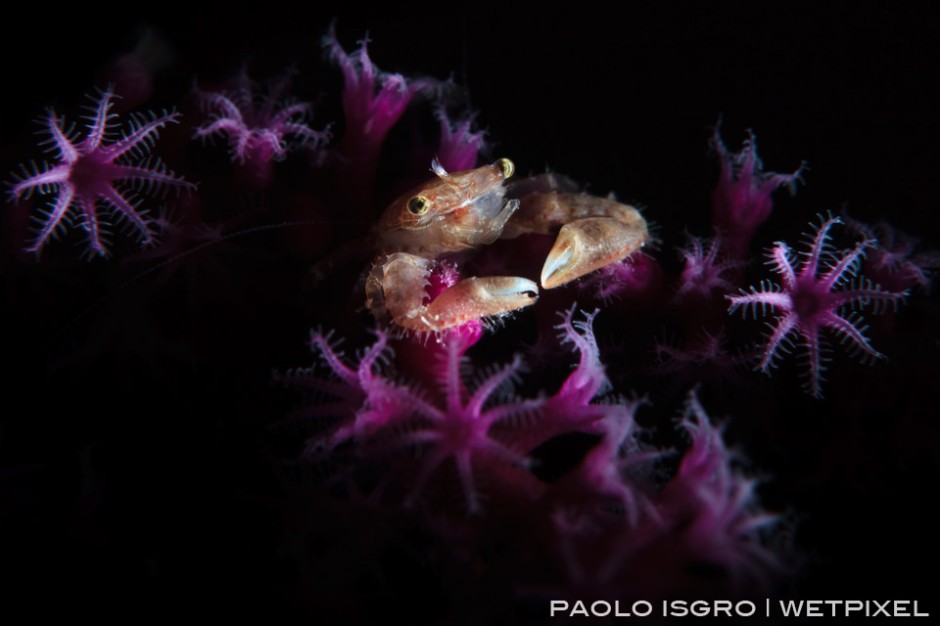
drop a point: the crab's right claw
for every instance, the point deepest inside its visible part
(591, 243)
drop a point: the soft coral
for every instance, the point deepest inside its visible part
(479, 426)
(808, 300)
(259, 131)
(742, 199)
(88, 172)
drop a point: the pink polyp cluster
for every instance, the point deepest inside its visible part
(258, 129)
(476, 427)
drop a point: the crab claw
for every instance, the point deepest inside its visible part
(474, 298)
(396, 286)
(589, 244)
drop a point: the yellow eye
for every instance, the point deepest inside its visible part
(419, 205)
(506, 167)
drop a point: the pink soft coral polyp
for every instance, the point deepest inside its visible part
(258, 133)
(478, 427)
(88, 173)
(373, 101)
(809, 299)
(742, 198)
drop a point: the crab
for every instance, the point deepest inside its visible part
(457, 212)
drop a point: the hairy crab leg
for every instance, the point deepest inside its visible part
(396, 286)
(594, 232)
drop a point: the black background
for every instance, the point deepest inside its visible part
(626, 103)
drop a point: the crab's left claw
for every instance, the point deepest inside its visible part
(591, 243)
(397, 286)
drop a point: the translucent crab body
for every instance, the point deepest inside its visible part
(460, 211)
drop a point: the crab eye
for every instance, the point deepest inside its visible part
(506, 167)
(419, 205)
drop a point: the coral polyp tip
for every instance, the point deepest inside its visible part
(459, 147)
(704, 270)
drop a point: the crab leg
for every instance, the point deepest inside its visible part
(594, 232)
(397, 284)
